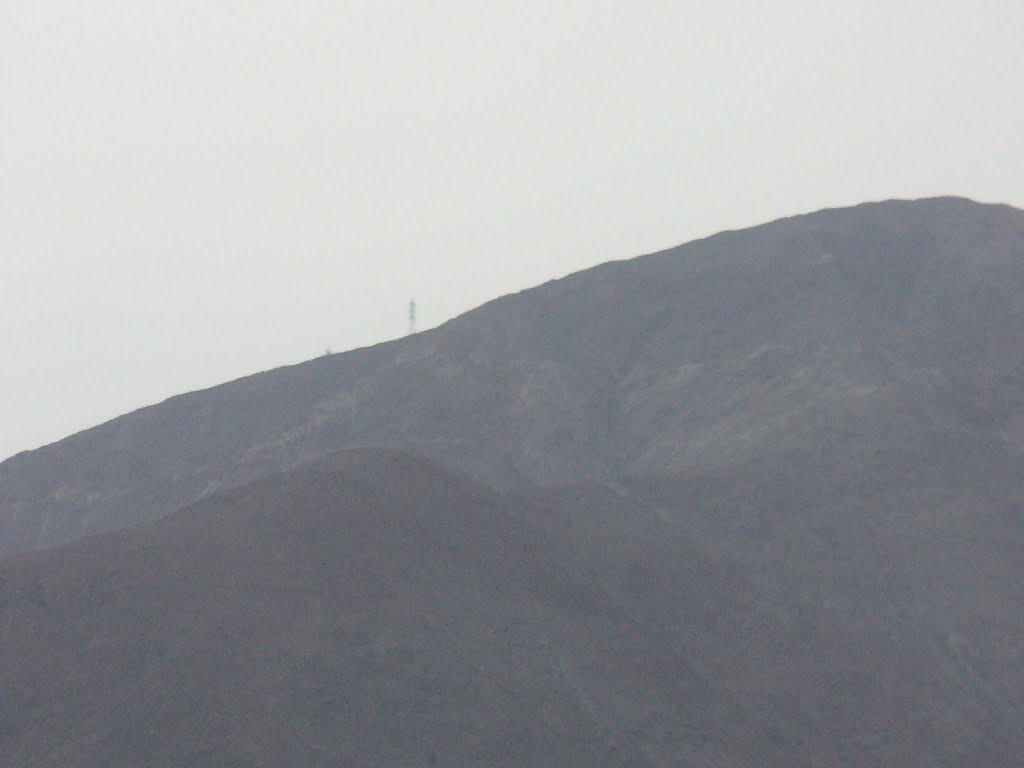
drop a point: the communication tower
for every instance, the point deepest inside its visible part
(412, 317)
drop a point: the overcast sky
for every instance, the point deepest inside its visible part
(194, 191)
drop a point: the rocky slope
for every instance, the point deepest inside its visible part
(373, 609)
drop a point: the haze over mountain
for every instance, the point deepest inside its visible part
(753, 501)
(884, 333)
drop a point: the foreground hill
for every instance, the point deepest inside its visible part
(366, 610)
(373, 609)
(885, 334)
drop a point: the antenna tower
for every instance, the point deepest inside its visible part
(412, 317)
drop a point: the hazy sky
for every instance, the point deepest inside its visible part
(193, 191)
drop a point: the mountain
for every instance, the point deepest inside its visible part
(881, 339)
(372, 608)
(754, 501)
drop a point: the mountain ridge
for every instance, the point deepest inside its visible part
(760, 334)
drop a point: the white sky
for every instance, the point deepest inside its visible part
(193, 191)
